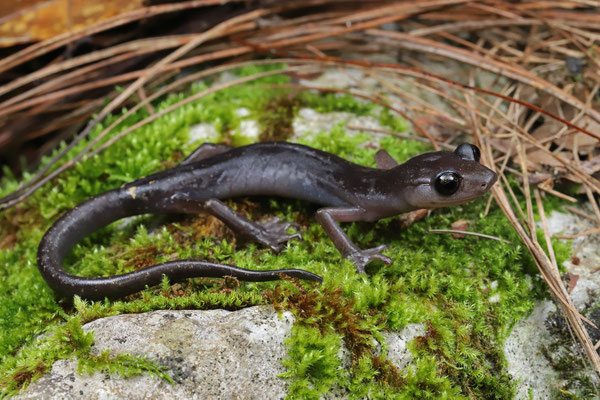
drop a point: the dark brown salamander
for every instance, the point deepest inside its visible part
(348, 192)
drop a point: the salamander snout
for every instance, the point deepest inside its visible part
(489, 180)
(485, 178)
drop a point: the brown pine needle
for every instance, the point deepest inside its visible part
(557, 194)
(582, 214)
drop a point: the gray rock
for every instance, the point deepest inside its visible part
(525, 360)
(204, 132)
(209, 354)
(397, 342)
(309, 122)
(227, 355)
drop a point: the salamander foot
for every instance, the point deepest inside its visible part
(273, 233)
(361, 258)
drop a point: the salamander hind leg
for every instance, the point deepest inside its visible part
(271, 234)
(274, 233)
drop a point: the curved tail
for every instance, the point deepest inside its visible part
(100, 211)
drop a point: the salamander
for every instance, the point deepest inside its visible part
(346, 191)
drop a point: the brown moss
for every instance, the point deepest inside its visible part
(227, 285)
(388, 373)
(175, 290)
(202, 226)
(140, 257)
(433, 343)
(24, 375)
(13, 219)
(277, 117)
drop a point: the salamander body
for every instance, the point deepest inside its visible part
(346, 191)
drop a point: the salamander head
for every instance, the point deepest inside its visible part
(446, 178)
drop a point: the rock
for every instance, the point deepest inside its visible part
(209, 354)
(223, 354)
(309, 122)
(340, 79)
(397, 342)
(204, 132)
(526, 363)
(587, 287)
(249, 128)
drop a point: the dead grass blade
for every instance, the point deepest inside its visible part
(477, 234)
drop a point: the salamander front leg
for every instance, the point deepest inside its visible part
(328, 218)
(384, 160)
(271, 233)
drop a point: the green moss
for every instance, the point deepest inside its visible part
(312, 362)
(329, 102)
(443, 283)
(396, 124)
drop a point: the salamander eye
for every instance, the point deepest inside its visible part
(447, 183)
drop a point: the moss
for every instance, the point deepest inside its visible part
(396, 124)
(330, 102)
(435, 280)
(312, 362)
(276, 118)
(327, 315)
(13, 220)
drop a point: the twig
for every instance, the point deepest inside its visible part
(14, 199)
(510, 71)
(38, 49)
(130, 90)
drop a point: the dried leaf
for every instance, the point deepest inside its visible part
(410, 218)
(536, 159)
(571, 281)
(460, 225)
(39, 20)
